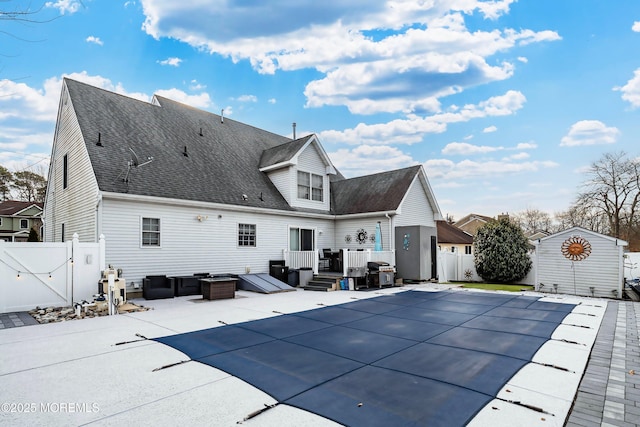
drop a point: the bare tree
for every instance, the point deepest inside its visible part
(532, 220)
(579, 215)
(612, 190)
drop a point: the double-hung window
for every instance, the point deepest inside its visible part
(310, 186)
(246, 235)
(151, 232)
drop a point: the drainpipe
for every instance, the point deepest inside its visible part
(392, 241)
(98, 217)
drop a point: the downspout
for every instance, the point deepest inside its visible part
(98, 217)
(392, 237)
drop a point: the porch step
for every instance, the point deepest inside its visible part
(322, 283)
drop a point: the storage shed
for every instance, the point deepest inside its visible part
(580, 262)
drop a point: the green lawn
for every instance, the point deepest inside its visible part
(498, 287)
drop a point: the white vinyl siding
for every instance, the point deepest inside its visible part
(280, 179)
(415, 208)
(350, 227)
(191, 246)
(76, 205)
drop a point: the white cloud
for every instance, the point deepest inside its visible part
(195, 85)
(464, 149)
(413, 129)
(631, 91)
(95, 40)
(519, 156)
(489, 129)
(523, 59)
(589, 132)
(65, 6)
(272, 101)
(636, 26)
(201, 100)
(173, 61)
(247, 98)
(367, 159)
(526, 146)
(438, 169)
(401, 56)
(37, 108)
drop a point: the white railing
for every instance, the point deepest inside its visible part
(361, 258)
(302, 259)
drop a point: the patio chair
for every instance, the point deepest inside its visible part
(325, 259)
(158, 287)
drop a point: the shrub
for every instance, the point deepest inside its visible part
(501, 252)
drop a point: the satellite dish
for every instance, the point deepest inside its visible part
(134, 158)
(133, 163)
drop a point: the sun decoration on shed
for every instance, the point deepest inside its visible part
(576, 248)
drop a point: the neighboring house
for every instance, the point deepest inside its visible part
(17, 218)
(472, 222)
(581, 262)
(453, 239)
(176, 190)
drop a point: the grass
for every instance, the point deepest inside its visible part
(498, 287)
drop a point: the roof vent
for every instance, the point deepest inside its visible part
(222, 116)
(201, 134)
(185, 152)
(294, 130)
(99, 143)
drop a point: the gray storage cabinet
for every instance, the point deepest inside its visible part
(416, 252)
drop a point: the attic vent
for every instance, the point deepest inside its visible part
(185, 153)
(222, 116)
(201, 134)
(99, 143)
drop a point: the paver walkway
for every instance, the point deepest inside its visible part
(609, 393)
(12, 320)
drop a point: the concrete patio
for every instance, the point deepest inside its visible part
(102, 371)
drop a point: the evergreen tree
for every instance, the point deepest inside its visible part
(501, 252)
(33, 236)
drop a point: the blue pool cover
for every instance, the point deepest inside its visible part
(409, 359)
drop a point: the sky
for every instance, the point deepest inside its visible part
(505, 103)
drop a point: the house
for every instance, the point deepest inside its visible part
(580, 262)
(453, 239)
(472, 222)
(17, 218)
(176, 190)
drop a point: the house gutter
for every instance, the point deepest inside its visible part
(98, 217)
(227, 207)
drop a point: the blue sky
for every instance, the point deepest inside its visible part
(504, 102)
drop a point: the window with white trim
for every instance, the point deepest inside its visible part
(151, 232)
(247, 235)
(467, 250)
(24, 224)
(310, 186)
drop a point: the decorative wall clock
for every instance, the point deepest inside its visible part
(576, 248)
(347, 238)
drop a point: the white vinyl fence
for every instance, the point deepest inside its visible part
(457, 267)
(37, 274)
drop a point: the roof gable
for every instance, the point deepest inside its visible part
(584, 231)
(381, 192)
(20, 208)
(287, 154)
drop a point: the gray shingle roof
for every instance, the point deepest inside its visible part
(283, 152)
(221, 166)
(372, 193)
(222, 161)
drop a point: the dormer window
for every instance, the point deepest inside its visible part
(310, 186)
